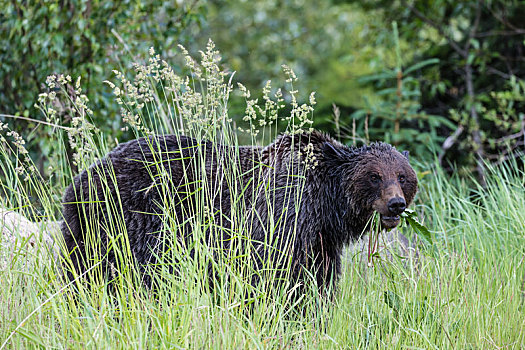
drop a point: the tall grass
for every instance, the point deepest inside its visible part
(465, 291)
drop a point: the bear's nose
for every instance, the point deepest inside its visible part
(397, 205)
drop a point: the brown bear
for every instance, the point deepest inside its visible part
(303, 197)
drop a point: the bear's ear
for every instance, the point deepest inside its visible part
(405, 153)
(332, 151)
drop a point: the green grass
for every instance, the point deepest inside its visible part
(465, 291)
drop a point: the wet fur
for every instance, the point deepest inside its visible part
(337, 199)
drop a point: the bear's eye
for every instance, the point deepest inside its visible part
(375, 178)
(401, 179)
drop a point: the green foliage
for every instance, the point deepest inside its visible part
(410, 216)
(329, 46)
(345, 50)
(87, 38)
(398, 118)
(502, 123)
(480, 49)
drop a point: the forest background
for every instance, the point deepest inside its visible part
(439, 78)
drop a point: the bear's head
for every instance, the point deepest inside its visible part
(373, 178)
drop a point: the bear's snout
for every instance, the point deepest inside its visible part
(397, 205)
(390, 205)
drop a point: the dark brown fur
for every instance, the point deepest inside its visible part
(337, 198)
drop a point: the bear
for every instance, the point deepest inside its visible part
(303, 197)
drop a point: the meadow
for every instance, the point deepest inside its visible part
(465, 289)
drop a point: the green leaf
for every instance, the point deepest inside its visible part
(392, 300)
(376, 77)
(421, 230)
(421, 65)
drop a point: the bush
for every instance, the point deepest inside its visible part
(38, 39)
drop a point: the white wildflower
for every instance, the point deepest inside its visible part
(312, 98)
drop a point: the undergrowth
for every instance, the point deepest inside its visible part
(463, 290)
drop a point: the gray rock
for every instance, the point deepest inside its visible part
(18, 236)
